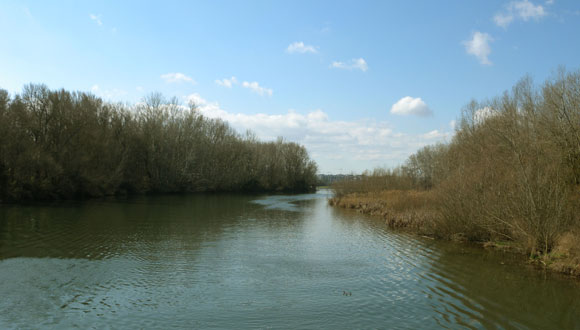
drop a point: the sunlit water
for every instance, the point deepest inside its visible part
(233, 262)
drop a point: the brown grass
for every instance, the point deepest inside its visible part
(406, 209)
(565, 257)
(511, 179)
(416, 211)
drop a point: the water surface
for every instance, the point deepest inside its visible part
(235, 262)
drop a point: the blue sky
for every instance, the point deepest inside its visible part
(360, 84)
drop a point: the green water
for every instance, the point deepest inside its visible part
(236, 262)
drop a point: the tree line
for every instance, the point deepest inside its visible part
(510, 173)
(56, 144)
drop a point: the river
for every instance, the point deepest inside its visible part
(220, 261)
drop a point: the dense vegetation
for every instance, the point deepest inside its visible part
(511, 173)
(58, 144)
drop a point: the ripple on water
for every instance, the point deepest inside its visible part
(277, 262)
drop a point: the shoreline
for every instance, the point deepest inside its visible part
(129, 195)
(420, 220)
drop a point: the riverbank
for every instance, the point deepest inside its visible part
(416, 212)
(61, 145)
(409, 210)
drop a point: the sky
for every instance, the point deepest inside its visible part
(361, 84)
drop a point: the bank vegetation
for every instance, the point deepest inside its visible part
(509, 177)
(56, 144)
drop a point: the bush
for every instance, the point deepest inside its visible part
(511, 172)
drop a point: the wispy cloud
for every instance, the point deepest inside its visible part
(523, 10)
(114, 94)
(355, 63)
(479, 46)
(361, 144)
(227, 82)
(453, 124)
(503, 19)
(411, 106)
(256, 88)
(96, 19)
(527, 10)
(300, 47)
(177, 78)
(435, 135)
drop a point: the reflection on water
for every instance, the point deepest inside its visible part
(288, 202)
(230, 261)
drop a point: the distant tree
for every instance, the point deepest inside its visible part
(58, 144)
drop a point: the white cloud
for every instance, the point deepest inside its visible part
(114, 94)
(196, 99)
(355, 63)
(435, 135)
(479, 46)
(503, 20)
(256, 88)
(227, 82)
(177, 78)
(549, 2)
(483, 114)
(452, 124)
(524, 10)
(527, 10)
(300, 47)
(411, 106)
(360, 145)
(96, 19)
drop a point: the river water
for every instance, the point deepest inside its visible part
(258, 262)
